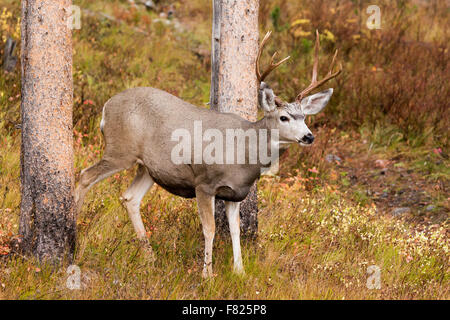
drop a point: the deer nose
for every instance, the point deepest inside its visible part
(308, 139)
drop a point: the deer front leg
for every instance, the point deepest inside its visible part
(232, 211)
(205, 203)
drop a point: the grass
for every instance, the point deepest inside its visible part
(311, 245)
(321, 224)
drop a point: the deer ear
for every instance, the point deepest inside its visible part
(266, 98)
(316, 102)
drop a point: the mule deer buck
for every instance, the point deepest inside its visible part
(138, 123)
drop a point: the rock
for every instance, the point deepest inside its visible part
(331, 158)
(149, 5)
(400, 211)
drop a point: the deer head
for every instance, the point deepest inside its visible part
(289, 118)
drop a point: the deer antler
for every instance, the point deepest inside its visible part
(272, 66)
(314, 83)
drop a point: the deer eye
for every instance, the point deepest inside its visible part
(284, 119)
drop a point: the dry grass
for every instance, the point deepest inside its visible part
(319, 231)
(312, 245)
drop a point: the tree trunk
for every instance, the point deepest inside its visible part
(234, 86)
(47, 219)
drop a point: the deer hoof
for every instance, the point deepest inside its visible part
(148, 250)
(239, 270)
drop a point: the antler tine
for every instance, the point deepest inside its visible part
(272, 66)
(314, 83)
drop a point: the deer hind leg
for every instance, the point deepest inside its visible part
(205, 204)
(90, 176)
(133, 197)
(232, 211)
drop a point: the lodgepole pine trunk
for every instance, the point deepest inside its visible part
(47, 217)
(234, 86)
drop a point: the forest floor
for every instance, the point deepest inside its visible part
(361, 196)
(321, 225)
(399, 183)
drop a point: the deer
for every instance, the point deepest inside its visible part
(137, 123)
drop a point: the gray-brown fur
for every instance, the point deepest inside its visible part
(138, 124)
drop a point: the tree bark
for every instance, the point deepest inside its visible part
(234, 86)
(47, 219)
